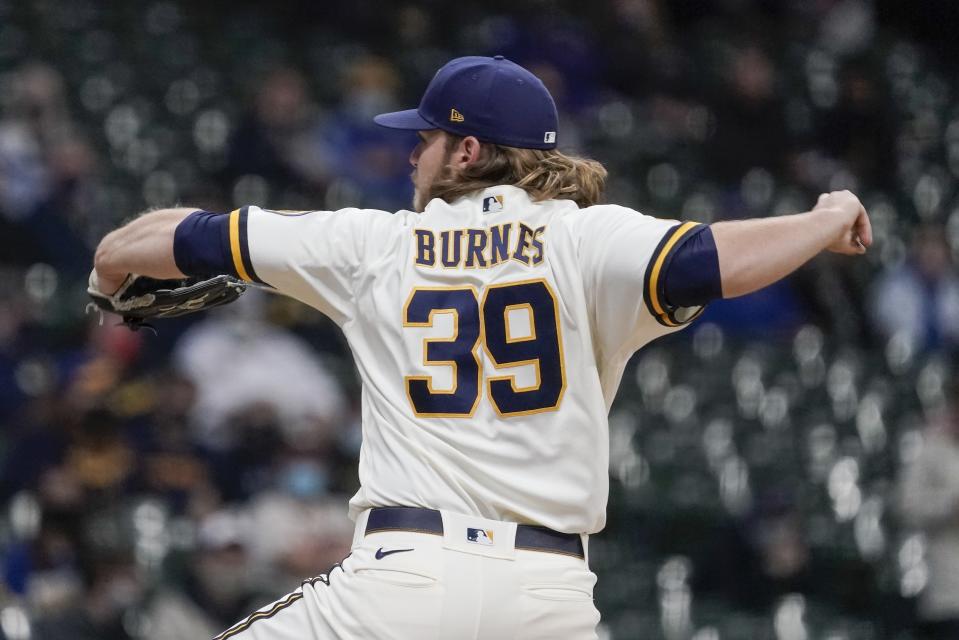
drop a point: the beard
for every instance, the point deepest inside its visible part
(423, 193)
(419, 197)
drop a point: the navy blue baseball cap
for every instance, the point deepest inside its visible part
(493, 99)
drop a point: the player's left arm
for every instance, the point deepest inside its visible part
(733, 258)
(756, 253)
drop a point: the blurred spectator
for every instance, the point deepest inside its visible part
(372, 160)
(309, 533)
(236, 360)
(858, 130)
(929, 502)
(271, 142)
(243, 464)
(643, 36)
(99, 458)
(46, 172)
(35, 444)
(114, 585)
(171, 462)
(749, 118)
(847, 26)
(35, 120)
(215, 591)
(918, 299)
(761, 558)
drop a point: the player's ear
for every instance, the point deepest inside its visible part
(467, 152)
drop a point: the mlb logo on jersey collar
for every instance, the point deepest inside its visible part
(492, 203)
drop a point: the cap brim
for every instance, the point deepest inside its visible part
(409, 119)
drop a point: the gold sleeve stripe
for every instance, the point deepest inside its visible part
(658, 265)
(235, 246)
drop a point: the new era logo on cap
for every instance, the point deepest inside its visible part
(550, 136)
(456, 116)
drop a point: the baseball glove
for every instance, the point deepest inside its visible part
(141, 298)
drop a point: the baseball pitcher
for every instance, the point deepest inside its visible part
(490, 325)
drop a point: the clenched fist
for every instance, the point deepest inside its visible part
(856, 231)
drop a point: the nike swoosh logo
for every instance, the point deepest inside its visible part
(380, 554)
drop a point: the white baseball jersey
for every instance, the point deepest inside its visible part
(490, 336)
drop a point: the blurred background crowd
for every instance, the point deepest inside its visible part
(787, 468)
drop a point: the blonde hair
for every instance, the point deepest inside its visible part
(545, 174)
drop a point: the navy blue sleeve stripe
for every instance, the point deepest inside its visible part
(224, 227)
(657, 274)
(692, 277)
(201, 245)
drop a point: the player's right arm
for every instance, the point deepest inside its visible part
(313, 256)
(143, 246)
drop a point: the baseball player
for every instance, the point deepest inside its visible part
(490, 326)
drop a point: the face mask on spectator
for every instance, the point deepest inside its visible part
(304, 479)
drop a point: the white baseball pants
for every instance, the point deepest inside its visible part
(404, 585)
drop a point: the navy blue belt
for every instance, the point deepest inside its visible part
(528, 537)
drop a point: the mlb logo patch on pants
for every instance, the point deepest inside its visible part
(480, 536)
